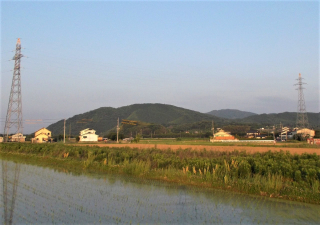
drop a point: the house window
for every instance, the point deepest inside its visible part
(84, 136)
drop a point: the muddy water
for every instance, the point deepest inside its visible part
(31, 194)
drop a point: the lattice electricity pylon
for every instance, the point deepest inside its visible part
(302, 118)
(14, 112)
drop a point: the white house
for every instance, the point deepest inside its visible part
(88, 135)
(18, 137)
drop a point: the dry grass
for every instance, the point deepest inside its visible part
(248, 149)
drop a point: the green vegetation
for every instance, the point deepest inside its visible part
(231, 113)
(274, 174)
(286, 118)
(113, 136)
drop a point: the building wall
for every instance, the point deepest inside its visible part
(224, 138)
(315, 141)
(41, 138)
(89, 137)
(21, 139)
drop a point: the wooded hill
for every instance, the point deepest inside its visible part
(231, 113)
(286, 118)
(104, 119)
(162, 118)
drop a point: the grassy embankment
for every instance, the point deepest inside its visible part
(274, 174)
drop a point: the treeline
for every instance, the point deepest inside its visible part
(278, 174)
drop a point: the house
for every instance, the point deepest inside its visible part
(290, 134)
(18, 137)
(252, 133)
(88, 135)
(222, 135)
(42, 135)
(306, 132)
(1, 139)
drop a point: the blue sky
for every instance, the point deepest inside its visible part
(82, 55)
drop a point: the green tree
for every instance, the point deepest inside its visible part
(137, 138)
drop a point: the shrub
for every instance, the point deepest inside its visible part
(297, 175)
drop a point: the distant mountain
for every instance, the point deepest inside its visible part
(286, 118)
(104, 119)
(166, 118)
(231, 113)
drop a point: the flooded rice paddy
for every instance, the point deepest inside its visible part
(31, 195)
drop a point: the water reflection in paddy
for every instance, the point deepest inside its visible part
(44, 195)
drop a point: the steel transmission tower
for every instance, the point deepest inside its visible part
(302, 118)
(14, 112)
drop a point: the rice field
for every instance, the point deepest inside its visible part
(45, 195)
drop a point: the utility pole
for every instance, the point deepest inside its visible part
(64, 131)
(274, 138)
(118, 128)
(69, 131)
(14, 111)
(212, 130)
(280, 131)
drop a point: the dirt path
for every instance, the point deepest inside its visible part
(248, 149)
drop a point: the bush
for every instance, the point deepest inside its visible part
(136, 139)
(297, 176)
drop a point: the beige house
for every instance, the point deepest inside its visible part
(42, 135)
(1, 139)
(88, 135)
(306, 132)
(18, 137)
(221, 135)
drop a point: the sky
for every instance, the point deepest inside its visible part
(203, 56)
